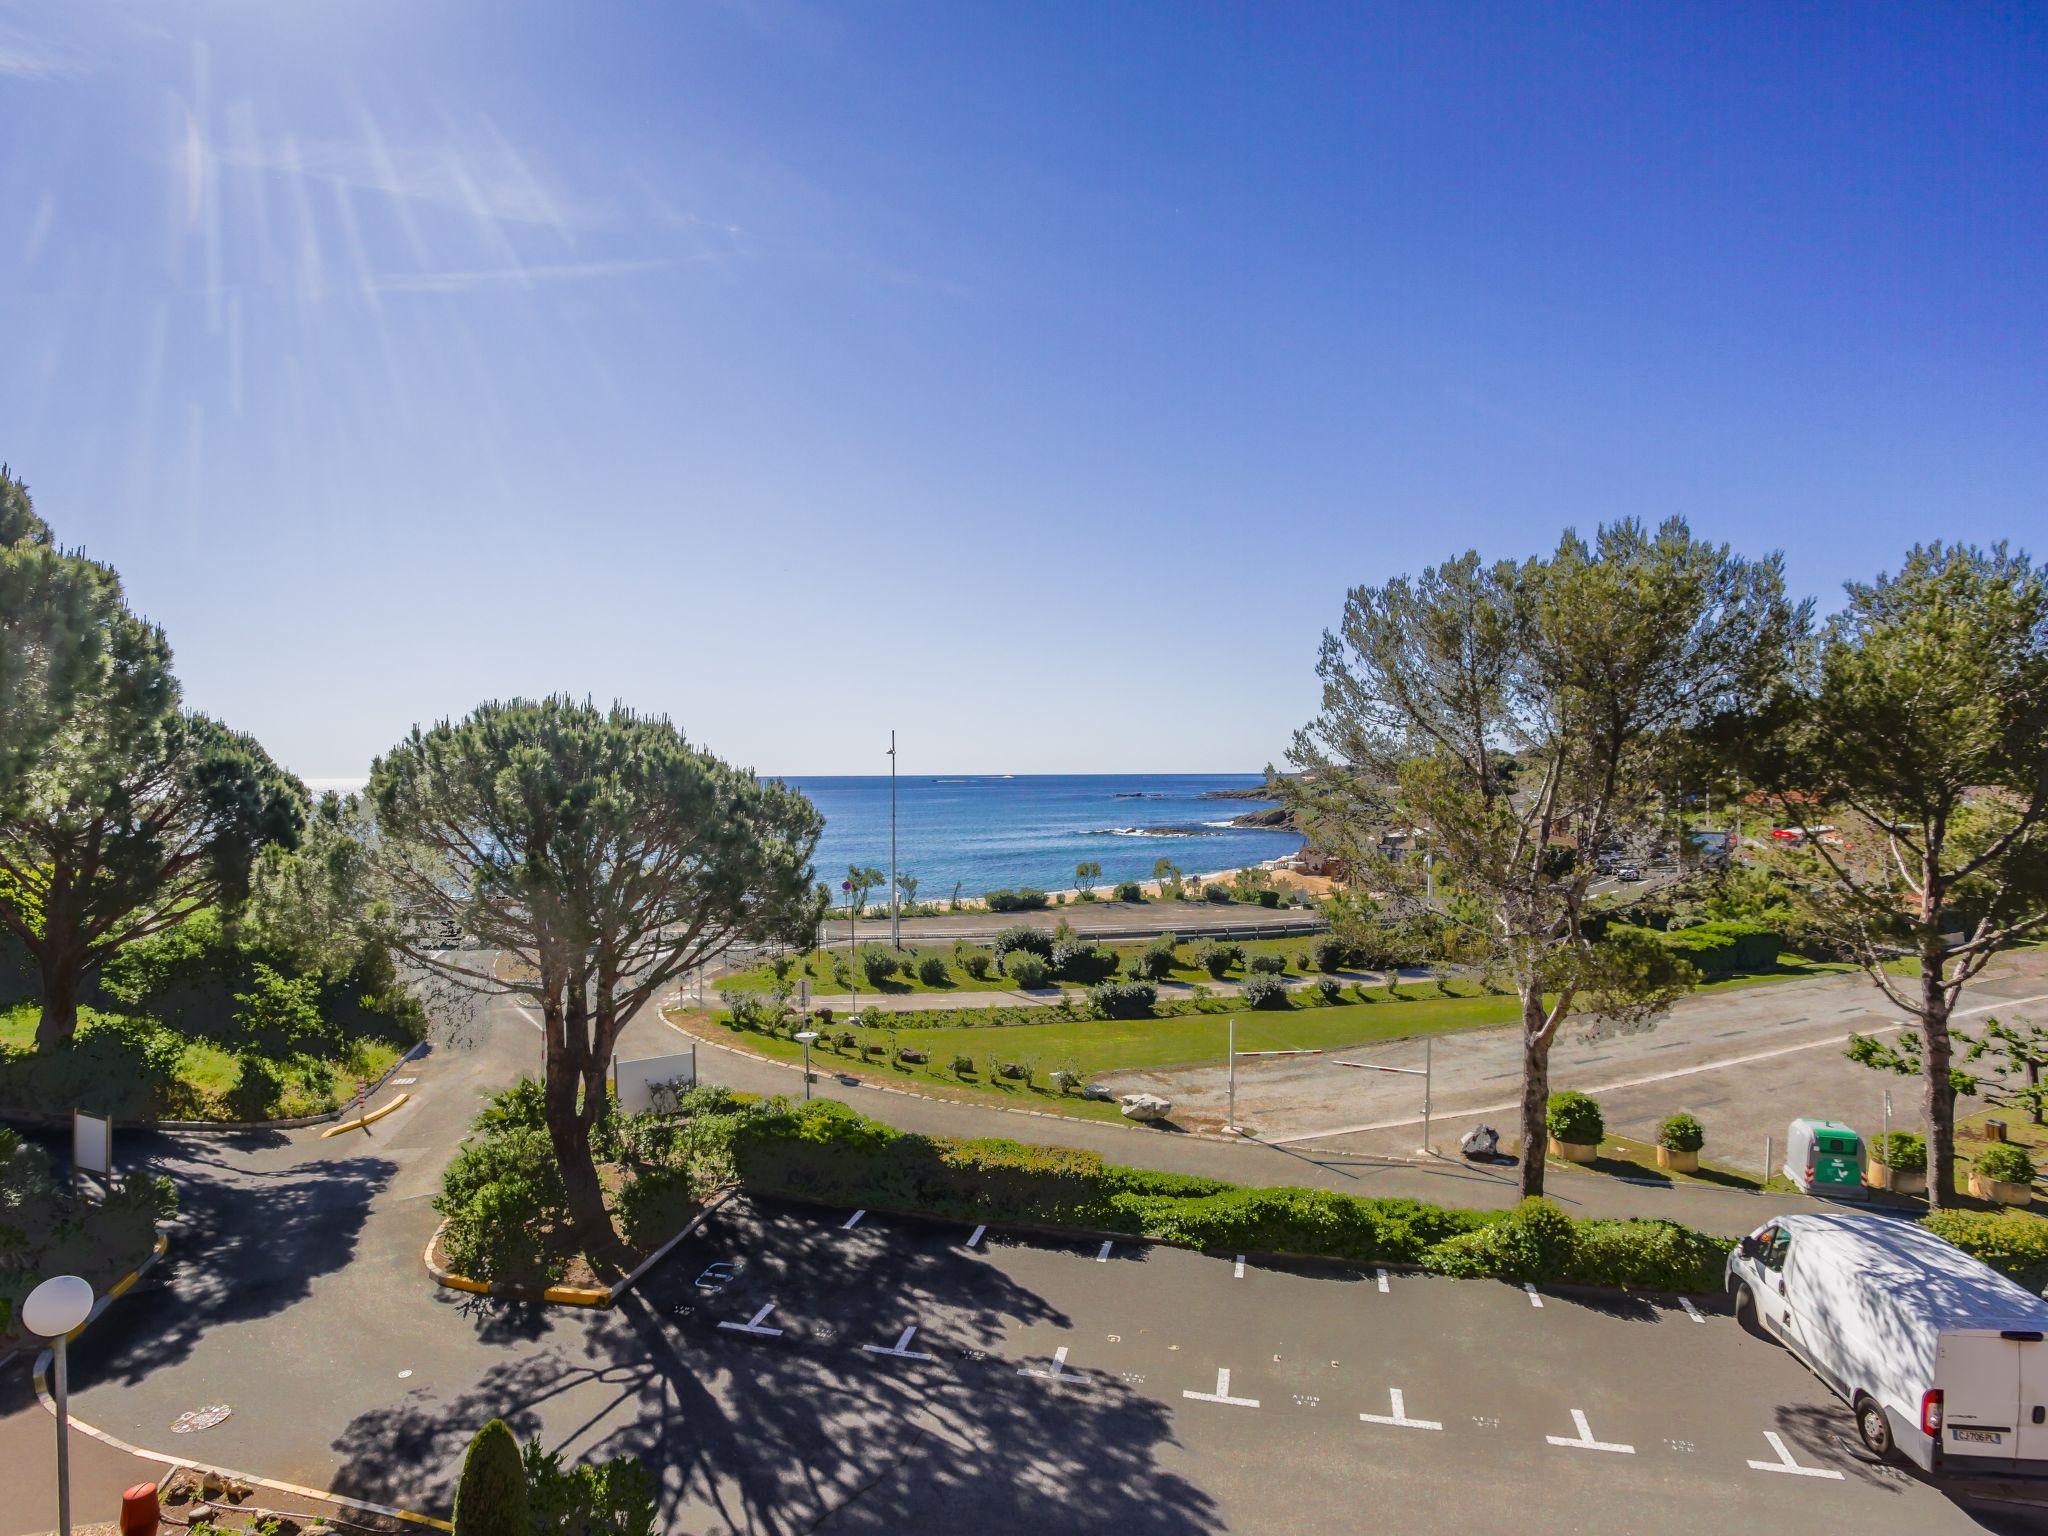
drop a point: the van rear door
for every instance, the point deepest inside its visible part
(2033, 1425)
(1977, 1371)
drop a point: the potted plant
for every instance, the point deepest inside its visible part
(1898, 1162)
(1679, 1140)
(2004, 1174)
(1575, 1125)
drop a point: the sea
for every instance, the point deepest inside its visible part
(984, 832)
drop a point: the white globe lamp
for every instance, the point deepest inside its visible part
(54, 1310)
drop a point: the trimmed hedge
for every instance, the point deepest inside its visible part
(2014, 1245)
(1026, 900)
(1574, 1117)
(825, 1151)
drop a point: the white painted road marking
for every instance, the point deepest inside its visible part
(1399, 1417)
(1381, 1277)
(1059, 1366)
(753, 1324)
(1103, 1256)
(1239, 1273)
(1691, 1311)
(1222, 1393)
(975, 1236)
(901, 1348)
(854, 1220)
(1534, 1299)
(1584, 1440)
(1785, 1463)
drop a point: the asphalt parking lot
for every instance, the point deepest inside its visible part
(794, 1369)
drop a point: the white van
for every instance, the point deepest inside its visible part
(1941, 1357)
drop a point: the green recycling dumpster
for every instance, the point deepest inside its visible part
(1824, 1157)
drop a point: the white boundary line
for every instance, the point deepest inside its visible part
(1380, 1279)
(1103, 1256)
(901, 1348)
(1237, 1273)
(854, 1220)
(1785, 1463)
(1058, 1371)
(1534, 1299)
(753, 1324)
(1584, 1440)
(974, 1237)
(1222, 1393)
(1398, 1418)
(1692, 1311)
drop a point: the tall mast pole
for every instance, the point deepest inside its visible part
(895, 902)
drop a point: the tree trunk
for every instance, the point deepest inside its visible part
(1940, 1093)
(62, 967)
(569, 1130)
(1535, 1092)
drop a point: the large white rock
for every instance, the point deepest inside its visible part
(1146, 1106)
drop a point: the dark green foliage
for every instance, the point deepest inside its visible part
(1729, 947)
(2007, 1162)
(931, 970)
(1023, 936)
(1902, 1152)
(1123, 999)
(1574, 1117)
(828, 1152)
(1267, 965)
(1128, 890)
(503, 1192)
(606, 1498)
(491, 1495)
(1332, 953)
(1219, 959)
(1027, 969)
(1219, 894)
(977, 963)
(1681, 1133)
(2013, 1244)
(1328, 990)
(1155, 962)
(258, 1090)
(877, 964)
(1016, 901)
(1265, 992)
(1073, 960)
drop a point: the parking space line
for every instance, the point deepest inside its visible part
(900, 1349)
(753, 1324)
(1103, 1256)
(1692, 1311)
(1381, 1280)
(1785, 1463)
(975, 1236)
(1238, 1273)
(1534, 1299)
(1584, 1440)
(1222, 1393)
(1399, 1417)
(854, 1220)
(1059, 1366)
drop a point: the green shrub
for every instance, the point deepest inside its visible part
(1328, 990)
(1680, 1133)
(1065, 1079)
(1574, 1117)
(1023, 936)
(1128, 890)
(1728, 947)
(2007, 1163)
(258, 1090)
(1332, 953)
(977, 963)
(1652, 1255)
(1123, 999)
(603, 1498)
(963, 1066)
(1085, 963)
(931, 970)
(1265, 992)
(1026, 900)
(499, 1193)
(1220, 894)
(877, 964)
(1267, 965)
(1535, 1241)
(1217, 959)
(2012, 1244)
(1901, 1151)
(1155, 962)
(1027, 970)
(655, 1202)
(490, 1494)
(1268, 897)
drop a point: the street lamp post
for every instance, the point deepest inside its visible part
(807, 1036)
(54, 1310)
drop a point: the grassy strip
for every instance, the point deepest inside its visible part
(824, 1151)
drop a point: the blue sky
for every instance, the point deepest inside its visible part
(1034, 380)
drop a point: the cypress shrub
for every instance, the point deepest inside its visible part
(490, 1497)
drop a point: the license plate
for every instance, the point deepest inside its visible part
(1979, 1436)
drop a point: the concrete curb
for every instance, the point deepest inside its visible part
(565, 1295)
(218, 1127)
(119, 1288)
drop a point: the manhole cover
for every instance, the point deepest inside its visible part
(200, 1418)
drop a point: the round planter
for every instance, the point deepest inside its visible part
(1900, 1181)
(2001, 1191)
(1574, 1151)
(1677, 1161)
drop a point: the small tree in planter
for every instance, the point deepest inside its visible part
(2004, 1174)
(1898, 1162)
(1575, 1125)
(1679, 1140)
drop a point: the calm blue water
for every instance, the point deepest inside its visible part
(1031, 830)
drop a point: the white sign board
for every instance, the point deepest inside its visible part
(92, 1143)
(652, 1082)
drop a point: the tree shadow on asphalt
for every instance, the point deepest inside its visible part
(245, 1245)
(811, 1429)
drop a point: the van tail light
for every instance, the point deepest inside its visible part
(1930, 1413)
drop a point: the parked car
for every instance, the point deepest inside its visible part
(1942, 1359)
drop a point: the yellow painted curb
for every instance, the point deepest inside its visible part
(362, 1120)
(576, 1295)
